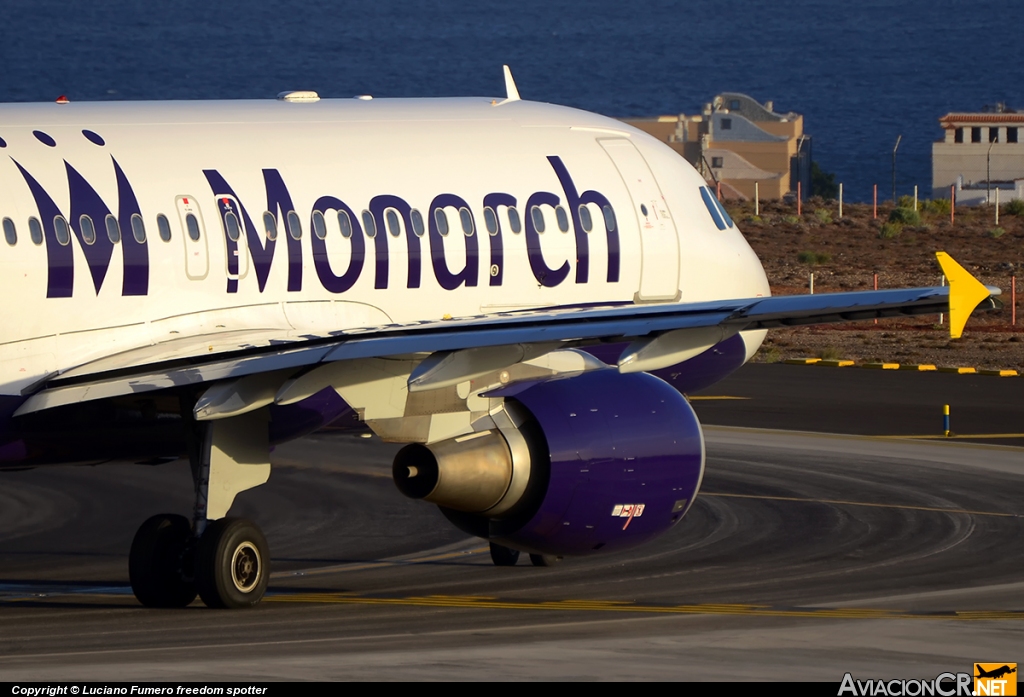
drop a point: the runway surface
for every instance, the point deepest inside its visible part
(806, 556)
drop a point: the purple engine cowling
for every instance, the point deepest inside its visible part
(616, 461)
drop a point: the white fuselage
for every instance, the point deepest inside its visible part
(69, 301)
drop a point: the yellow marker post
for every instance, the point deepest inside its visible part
(945, 419)
(965, 293)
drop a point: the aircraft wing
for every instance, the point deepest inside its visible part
(458, 349)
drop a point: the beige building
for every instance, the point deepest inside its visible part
(736, 142)
(978, 154)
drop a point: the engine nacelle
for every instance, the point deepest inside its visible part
(600, 461)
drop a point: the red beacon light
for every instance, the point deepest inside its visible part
(63, 100)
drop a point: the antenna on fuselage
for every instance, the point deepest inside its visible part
(511, 91)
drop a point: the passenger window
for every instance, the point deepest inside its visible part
(192, 225)
(319, 225)
(514, 221)
(88, 229)
(294, 225)
(609, 218)
(467, 221)
(441, 218)
(163, 227)
(345, 223)
(139, 228)
(114, 229)
(538, 218)
(369, 224)
(231, 225)
(585, 218)
(10, 233)
(562, 218)
(270, 225)
(35, 231)
(61, 229)
(491, 221)
(417, 222)
(392, 220)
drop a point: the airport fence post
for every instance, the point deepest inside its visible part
(915, 197)
(799, 199)
(952, 203)
(718, 190)
(840, 200)
(874, 205)
(757, 200)
(1013, 301)
(945, 420)
(942, 282)
(876, 288)
(997, 207)
(812, 283)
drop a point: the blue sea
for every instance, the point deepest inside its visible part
(861, 73)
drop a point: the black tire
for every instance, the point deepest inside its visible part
(544, 559)
(504, 556)
(232, 564)
(155, 562)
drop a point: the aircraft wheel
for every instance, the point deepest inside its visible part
(232, 564)
(504, 556)
(155, 562)
(544, 559)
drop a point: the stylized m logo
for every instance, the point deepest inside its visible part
(96, 243)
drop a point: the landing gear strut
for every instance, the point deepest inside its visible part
(226, 561)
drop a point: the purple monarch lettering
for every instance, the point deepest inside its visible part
(573, 201)
(469, 273)
(321, 260)
(378, 204)
(492, 201)
(544, 274)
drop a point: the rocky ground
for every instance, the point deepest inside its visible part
(845, 254)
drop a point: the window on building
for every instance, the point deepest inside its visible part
(958, 135)
(726, 124)
(976, 134)
(1011, 135)
(716, 162)
(993, 135)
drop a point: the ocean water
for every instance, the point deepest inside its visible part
(861, 73)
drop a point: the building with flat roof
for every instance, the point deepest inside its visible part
(979, 154)
(738, 142)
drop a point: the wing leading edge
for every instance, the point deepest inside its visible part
(659, 336)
